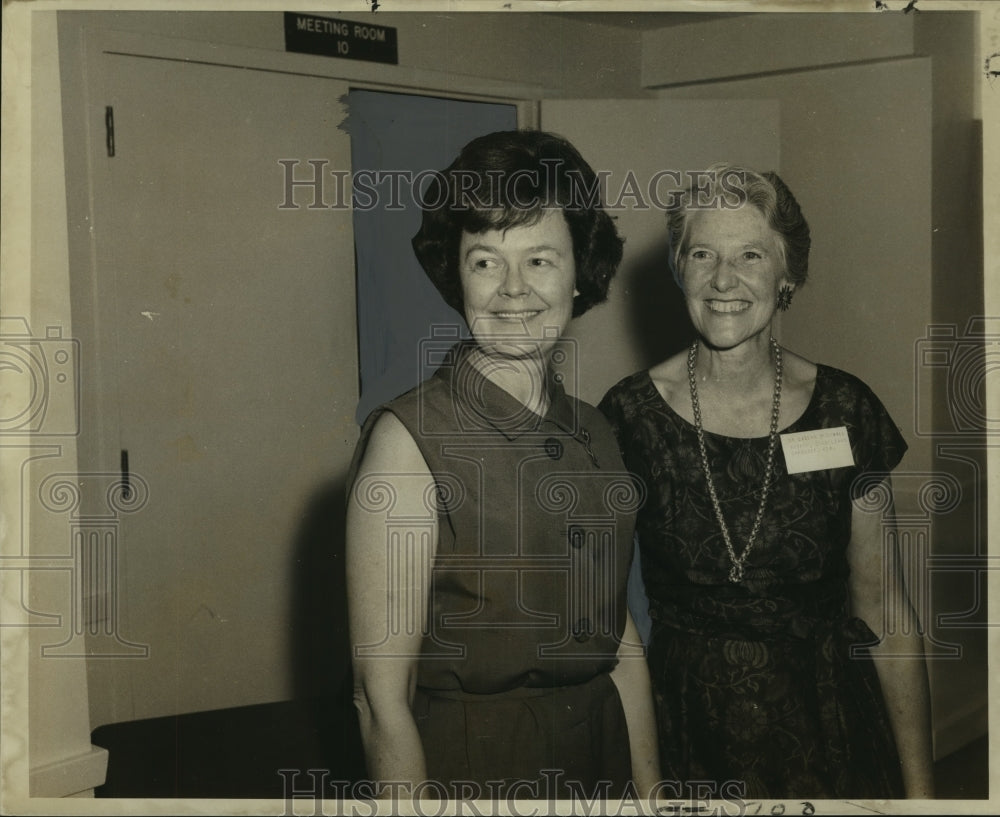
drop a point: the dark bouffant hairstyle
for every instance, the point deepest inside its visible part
(509, 179)
(732, 185)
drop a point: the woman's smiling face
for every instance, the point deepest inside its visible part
(731, 272)
(518, 285)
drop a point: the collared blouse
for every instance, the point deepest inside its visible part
(535, 520)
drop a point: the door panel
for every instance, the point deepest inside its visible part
(232, 356)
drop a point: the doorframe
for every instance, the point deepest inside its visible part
(360, 74)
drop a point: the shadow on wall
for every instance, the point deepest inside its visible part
(656, 311)
(320, 646)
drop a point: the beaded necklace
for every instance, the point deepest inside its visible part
(738, 562)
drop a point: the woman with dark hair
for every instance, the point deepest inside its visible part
(762, 542)
(490, 517)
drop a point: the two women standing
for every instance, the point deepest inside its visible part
(490, 520)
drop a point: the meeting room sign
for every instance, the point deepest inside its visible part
(325, 36)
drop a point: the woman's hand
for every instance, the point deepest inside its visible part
(391, 541)
(631, 677)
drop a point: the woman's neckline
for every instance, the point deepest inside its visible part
(820, 371)
(496, 401)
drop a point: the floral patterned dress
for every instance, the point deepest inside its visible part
(767, 682)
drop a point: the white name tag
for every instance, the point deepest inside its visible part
(817, 450)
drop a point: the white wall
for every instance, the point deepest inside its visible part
(957, 295)
(37, 552)
(760, 44)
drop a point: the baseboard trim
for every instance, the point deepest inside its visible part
(961, 728)
(71, 776)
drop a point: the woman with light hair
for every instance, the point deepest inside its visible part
(762, 541)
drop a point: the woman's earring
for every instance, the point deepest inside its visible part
(784, 297)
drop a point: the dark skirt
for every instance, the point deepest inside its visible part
(528, 743)
(782, 717)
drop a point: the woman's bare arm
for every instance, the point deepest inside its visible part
(391, 542)
(879, 597)
(631, 677)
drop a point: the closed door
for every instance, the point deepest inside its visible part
(227, 355)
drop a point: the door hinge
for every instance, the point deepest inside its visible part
(109, 128)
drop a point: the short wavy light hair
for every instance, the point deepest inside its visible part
(510, 179)
(729, 185)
